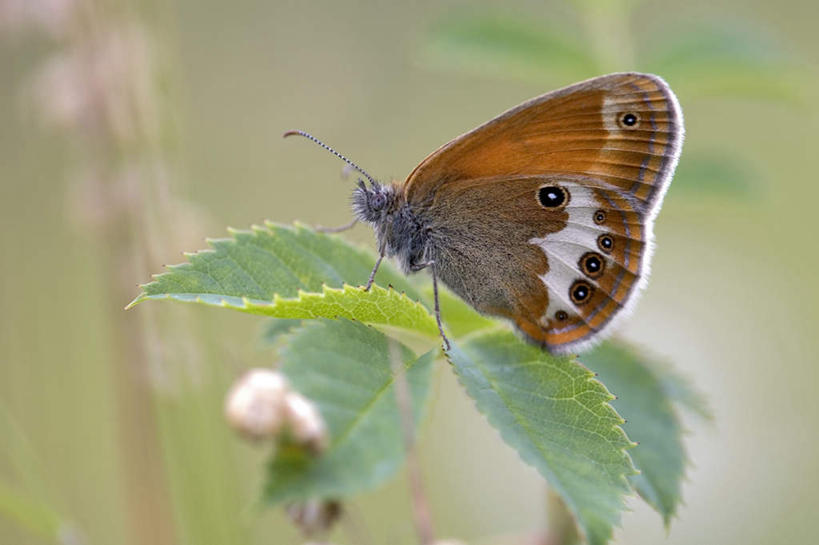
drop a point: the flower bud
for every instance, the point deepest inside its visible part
(314, 516)
(255, 404)
(304, 422)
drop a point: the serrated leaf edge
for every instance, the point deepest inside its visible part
(627, 489)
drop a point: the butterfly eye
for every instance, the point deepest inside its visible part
(606, 243)
(592, 264)
(561, 316)
(378, 201)
(599, 217)
(580, 292)
(552, 196)
(628, 119)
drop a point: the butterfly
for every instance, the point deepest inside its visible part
(544, 214)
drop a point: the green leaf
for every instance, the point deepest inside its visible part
(378, 306)
(345, 369)
(285, 272)
(267, 261)
(558, 417)
(460, 318)
(273, 329)
(486, 44)
(643, 400)
(682, 392)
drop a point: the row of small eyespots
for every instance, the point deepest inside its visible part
(591, 263)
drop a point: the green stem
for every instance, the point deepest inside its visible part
(420, 507)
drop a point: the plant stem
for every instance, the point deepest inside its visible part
(420, 507)
(562, 528)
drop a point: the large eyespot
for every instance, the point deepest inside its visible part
(561, 316)
(552, 196)
(605, 243)
(580, 292)
(592, 264)
(628, 120)
(600, 217)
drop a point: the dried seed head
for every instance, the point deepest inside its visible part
(314, 516)
(305, 423)
(255, 404)
(51, 16)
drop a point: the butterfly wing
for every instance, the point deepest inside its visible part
(606, 149)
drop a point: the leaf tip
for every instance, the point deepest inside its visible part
(137, 300)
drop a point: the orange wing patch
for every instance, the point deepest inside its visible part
(577, 130)
(611, 142)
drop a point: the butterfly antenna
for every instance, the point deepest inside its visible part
(331, 150)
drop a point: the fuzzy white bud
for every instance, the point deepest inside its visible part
(314, 516)
(304, 422)
(255, 404)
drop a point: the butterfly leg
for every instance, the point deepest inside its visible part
(344, 227)
(421, 266)
(438, 309)
(375, 270)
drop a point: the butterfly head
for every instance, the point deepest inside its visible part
(374, 204)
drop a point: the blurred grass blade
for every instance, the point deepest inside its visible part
(204, 477)
(711, 174)
(27, 503)
(717, 41)
(487, 44)
(558, 418)
(345, 369)
(643, 400)
(33, 516)
(724, 58)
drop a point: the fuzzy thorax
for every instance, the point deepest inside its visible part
(400, 232)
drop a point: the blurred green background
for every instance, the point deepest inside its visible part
(132, 130)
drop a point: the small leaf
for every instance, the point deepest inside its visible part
(679, 389)
(643, 400)
(378, 306)
(273, 329)
(267, 271)
(495, 45)
(267, 261)
(345, 369)
(558, 417)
